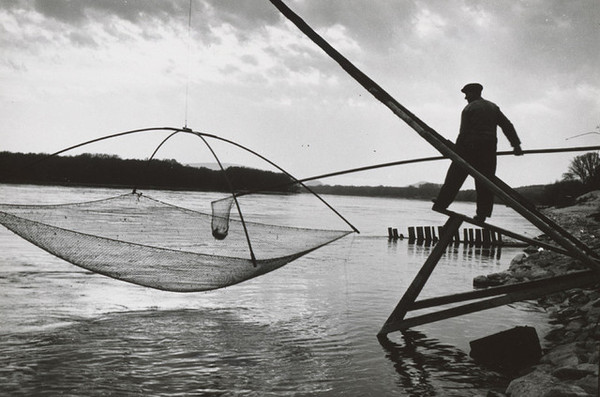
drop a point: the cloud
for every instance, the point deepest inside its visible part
(78, 12)
(115, 60)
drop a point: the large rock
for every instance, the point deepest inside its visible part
(563, 356)
(491, 280)
(541, 384)
(589, 384)
(508, 351)
(533, 384)
(565, 390)
(573, 373)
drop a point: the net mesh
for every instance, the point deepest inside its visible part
(145, 241)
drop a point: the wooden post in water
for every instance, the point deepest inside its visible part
(471, 236)
(428, 237)
(420, 236)
(411, 234)
(487, 238)
(478, 239)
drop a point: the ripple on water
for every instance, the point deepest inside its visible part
(169, 352)
(308, 328)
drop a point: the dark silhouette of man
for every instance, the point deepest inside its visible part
(476, 143)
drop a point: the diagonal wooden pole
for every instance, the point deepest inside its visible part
(508, 195)
(415, 288)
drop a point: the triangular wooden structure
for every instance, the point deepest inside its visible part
(567, 242)
(498, 296)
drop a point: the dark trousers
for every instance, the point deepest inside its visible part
(482, 156)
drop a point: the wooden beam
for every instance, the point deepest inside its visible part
(494, 291)
(527, 294)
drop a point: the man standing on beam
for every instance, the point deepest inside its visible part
(476, 143)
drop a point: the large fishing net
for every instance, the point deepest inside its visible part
(144, 241)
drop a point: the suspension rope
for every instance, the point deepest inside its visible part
(188, 66)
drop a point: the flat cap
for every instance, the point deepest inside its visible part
(472, 87)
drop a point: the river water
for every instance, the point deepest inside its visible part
(308, 328)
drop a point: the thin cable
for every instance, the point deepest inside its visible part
(585, 133)
(188, 66)
(411, 161)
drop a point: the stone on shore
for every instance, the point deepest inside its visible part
(542, 384)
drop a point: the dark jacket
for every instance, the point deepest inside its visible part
(478, 124)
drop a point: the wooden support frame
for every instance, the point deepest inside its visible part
(498, 296)
(520, 292)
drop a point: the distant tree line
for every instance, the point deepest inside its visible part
(105, 170)
(582, 176)
(425, 191)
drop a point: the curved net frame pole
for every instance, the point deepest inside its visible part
(285, 172)
(152, 157)
(118, 134)
(237, 204)
(190, 131)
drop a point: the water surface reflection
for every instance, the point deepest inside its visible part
(427, 367)
(178, 352)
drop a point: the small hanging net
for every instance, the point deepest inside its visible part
(144, 241)
(221, 211)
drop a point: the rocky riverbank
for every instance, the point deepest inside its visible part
(570, 363)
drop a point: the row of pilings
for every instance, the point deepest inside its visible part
(480, 237)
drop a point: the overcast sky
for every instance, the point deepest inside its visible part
(74, 70)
